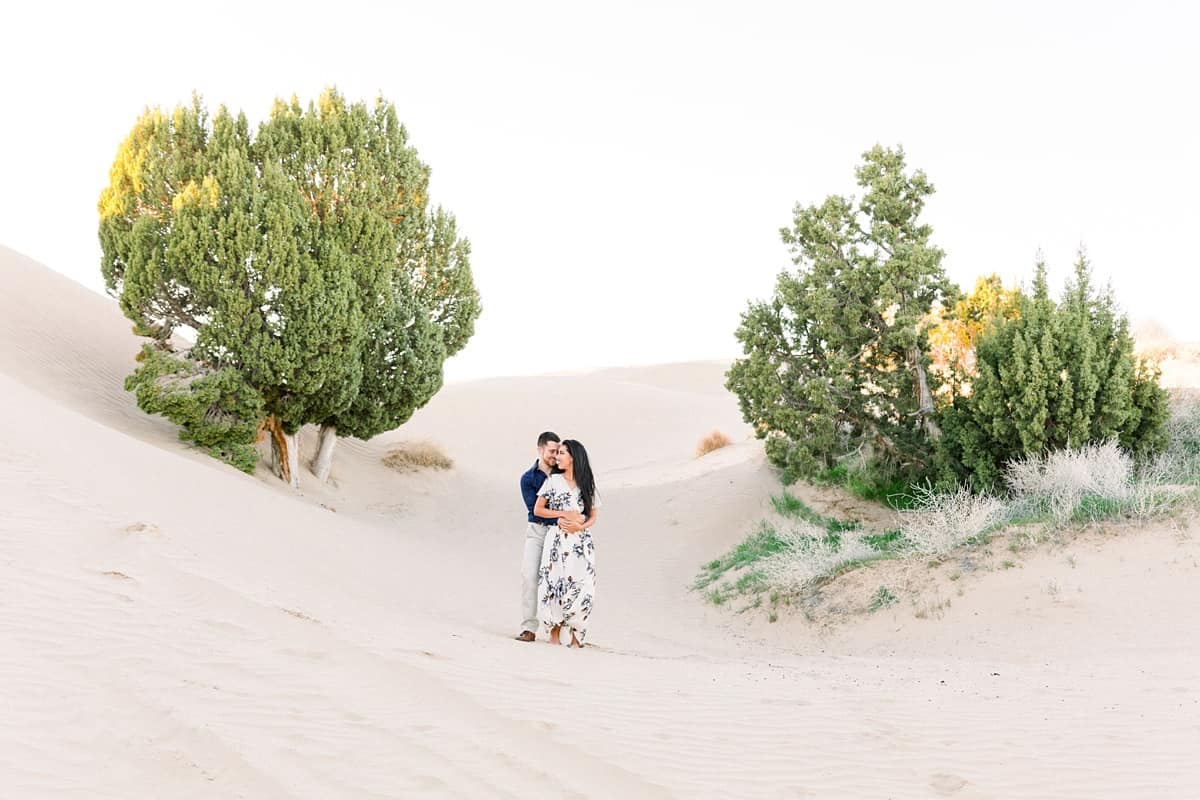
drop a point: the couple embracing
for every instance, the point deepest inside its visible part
(558, 571)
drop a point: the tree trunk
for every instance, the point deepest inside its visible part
(324, 460)
(285, 454)
(924, 395)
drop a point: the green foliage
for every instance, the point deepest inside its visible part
(1057, 375)
(835, 360)
(883, 598)
(214, 408)
(305, 257)
(886, 542)
(877, 482)
(758, 545)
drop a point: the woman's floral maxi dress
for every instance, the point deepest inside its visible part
(567, 578)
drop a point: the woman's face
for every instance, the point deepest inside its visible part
(564, 457)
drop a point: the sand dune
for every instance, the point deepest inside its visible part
(173, 628)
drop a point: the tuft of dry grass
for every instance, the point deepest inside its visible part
(714, 441)
(414, 456)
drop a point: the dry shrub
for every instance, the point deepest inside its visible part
(1060, 480)
(714, 441)
(414, 456)
(939, 522)
(1181, 460)
(811, 555)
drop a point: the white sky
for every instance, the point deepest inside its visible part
(622, 170)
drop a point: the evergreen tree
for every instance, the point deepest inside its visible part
(1057, 375)
(285, 252)
(836, 361)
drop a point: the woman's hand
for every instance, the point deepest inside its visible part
(571, 522)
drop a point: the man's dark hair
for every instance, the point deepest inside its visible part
(548, 436)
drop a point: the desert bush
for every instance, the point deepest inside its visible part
(1098, 481)
(809, 554)
(1058, 375)
(940, 521)
(784, 559)
(1059, 480)
(414, 456)
(714, 441)
(1180, 461)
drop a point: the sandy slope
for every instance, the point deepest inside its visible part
(170, 627)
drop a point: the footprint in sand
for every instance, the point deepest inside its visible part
(944, 783)
(142, 528)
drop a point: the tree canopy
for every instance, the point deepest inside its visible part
(836, 360)
(305, 257)
(1050, 376)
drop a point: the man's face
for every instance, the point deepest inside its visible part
(549, 453)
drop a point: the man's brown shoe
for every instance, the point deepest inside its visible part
(526, 636)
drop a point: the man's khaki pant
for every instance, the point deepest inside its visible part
(531, 562)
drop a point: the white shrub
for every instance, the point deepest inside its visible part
(1059, 480)
(811, 554)
(942, 521)
(1181, 460)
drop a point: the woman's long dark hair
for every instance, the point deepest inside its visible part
(583, 474)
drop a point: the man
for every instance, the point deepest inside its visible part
(535, 532)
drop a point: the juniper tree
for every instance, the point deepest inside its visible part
(835, 361)
(1056, 375)
(283, 251)
(368, 196)
(422, 320)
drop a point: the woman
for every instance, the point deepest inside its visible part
(567, 578)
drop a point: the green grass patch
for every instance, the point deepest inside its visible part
(1092, 508)
(734, 575)
(758, 545)
(719, 595)
(883, 598)
(792, 507)
(891, 490)
(886, 542)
